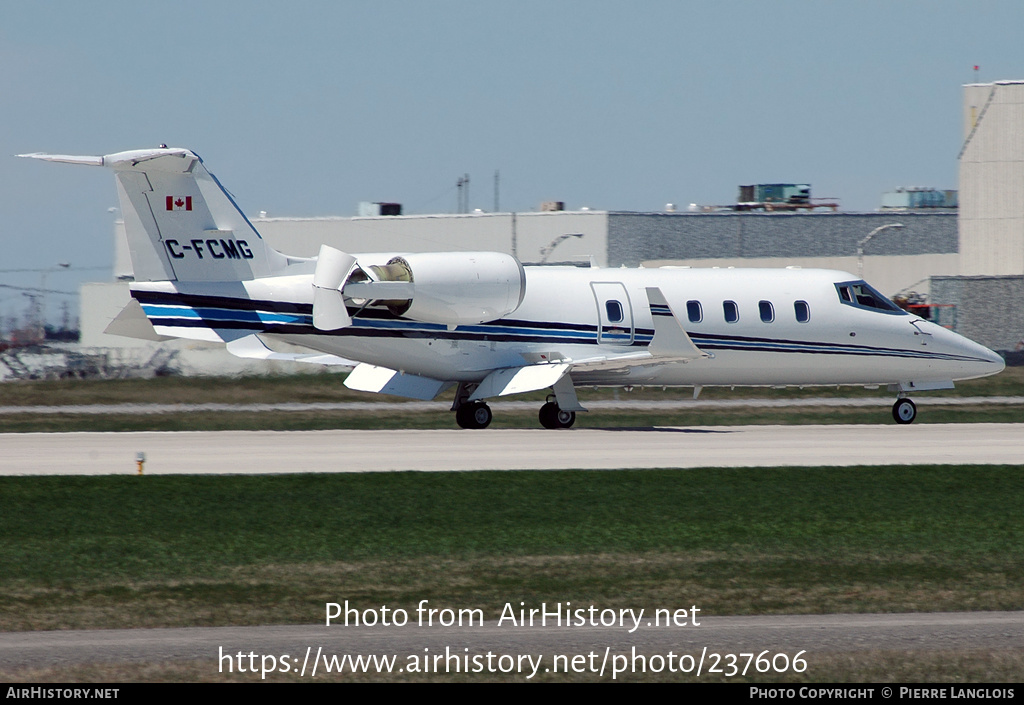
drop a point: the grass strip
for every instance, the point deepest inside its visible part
(503, 418)
(329, 387)
(131, 551)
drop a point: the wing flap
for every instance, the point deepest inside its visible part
(381, 380)
(515, 380)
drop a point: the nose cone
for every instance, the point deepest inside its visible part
(995, 361)
(972, 359)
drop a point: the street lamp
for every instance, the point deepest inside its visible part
(546, 251)
(860, 245)
(42, 291)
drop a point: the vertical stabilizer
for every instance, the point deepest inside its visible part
(180, 223)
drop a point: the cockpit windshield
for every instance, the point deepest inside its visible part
(859, 294)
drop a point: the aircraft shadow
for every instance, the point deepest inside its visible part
(661, 429)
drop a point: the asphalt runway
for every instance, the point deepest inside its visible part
(806, 636)
(248, 452)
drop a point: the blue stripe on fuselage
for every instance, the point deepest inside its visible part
(173, 310)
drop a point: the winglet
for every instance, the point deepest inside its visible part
(670, 339)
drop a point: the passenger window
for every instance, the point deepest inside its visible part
(693, 310)
(803, 311)
(766, 310)
(732, 312)
(614, 309)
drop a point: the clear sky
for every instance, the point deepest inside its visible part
(305, 108)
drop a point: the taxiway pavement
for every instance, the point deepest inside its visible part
(808, 635)
(242, 452)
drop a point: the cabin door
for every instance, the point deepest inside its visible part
(614, 314)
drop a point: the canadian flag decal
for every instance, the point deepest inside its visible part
(179, 203)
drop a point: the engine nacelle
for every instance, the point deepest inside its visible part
(455, 288)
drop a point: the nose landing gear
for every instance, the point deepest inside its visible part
(904, 411)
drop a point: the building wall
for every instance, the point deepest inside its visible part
(522, 234)
(992, 180)
(989, 309)
(891, 275)
(636, 237)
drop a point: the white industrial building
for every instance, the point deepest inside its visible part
(988, 291)
(992, 180)
(971, 261)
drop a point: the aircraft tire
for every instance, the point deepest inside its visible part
(904, 411)
(566, 418)
(551, 416)
(474, 415)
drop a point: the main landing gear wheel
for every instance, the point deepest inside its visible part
(551, 416)
(475, 414)
(904, 411)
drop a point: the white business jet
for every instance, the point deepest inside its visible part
(417, 324)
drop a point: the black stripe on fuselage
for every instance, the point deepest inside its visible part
(703, 341)
(238, 304)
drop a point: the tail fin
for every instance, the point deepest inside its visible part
(181, 223)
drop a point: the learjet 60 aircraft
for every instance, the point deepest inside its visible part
(417, 324)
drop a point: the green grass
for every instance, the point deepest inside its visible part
(503, 418)
(329, 387)
(172, 550)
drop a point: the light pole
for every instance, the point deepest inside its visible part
(42, 293)
(860, 245)
(546, 251)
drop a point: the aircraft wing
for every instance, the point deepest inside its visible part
(515, 380)
(671, 343)
(251, 346)
(381, 380)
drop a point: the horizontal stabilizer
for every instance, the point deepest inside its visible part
(65, 158)
(252, 347)
(514, 380)
(381, 380)
(670, 339)
(180, 222)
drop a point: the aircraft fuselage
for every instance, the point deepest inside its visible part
(758, 326)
